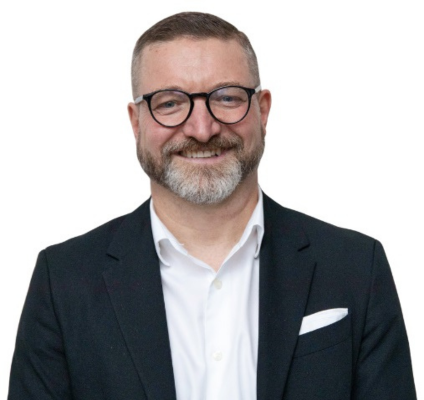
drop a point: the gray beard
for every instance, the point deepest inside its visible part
(201, 184)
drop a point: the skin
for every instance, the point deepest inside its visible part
(208, 232)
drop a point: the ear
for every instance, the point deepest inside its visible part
(264, 106)
(134, 119)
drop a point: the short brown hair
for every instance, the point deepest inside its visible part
(194, 25)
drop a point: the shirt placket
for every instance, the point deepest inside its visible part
(216, 328)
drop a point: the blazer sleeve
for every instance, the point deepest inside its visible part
(384, 368)
(39, 369)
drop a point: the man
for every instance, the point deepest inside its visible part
(209, 290)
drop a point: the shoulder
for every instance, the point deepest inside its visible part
(326, 240)
(89, 251)
(312, 226)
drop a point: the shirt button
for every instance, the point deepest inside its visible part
(217, 283)
(217, 356)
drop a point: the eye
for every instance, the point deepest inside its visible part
(169, 102)
(168, 107)
(228, 101)
(229, 97)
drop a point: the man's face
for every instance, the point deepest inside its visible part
(202, 160)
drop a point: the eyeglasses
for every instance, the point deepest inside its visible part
(170, 108)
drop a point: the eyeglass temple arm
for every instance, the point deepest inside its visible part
(138, 100)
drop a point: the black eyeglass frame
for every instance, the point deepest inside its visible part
(148, 97)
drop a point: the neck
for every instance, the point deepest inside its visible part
(208, 232)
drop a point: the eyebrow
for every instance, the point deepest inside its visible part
(213, 87)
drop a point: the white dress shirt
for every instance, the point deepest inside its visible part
(212, 316)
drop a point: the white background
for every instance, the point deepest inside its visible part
(344, 143)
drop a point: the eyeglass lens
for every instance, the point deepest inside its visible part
(228, 105)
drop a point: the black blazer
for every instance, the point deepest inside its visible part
(94, 325)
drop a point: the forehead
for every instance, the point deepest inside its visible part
(193, 65)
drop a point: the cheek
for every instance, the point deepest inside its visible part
(250, 130)
(150, 143)
(153, 137)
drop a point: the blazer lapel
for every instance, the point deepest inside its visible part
(134, 285)
(286, 270)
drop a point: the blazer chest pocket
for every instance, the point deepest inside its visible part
(323, 338)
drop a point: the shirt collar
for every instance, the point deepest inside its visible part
(161, 234)
(256, 221)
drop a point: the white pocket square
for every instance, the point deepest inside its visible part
(322, 318)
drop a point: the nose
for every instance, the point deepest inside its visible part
(201, 125)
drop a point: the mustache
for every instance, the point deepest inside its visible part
(215, 142)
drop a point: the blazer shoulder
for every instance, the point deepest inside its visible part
(97, 237)
(91, 248)
(321, 234)
(322, 229)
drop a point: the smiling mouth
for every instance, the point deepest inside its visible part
(201, 154)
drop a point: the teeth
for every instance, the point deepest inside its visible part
(202, 154)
